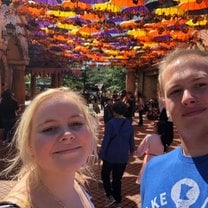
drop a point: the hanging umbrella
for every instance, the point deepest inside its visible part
(48, 2)
(152, 4)
(127, 3)
(106, 7)
(72, 5)
(128, 24)
(137, 9)
(94, 1)
(169, 11)
(195, 8)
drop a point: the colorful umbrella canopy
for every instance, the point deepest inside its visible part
(114, 31)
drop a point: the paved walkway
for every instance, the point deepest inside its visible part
(130, 190)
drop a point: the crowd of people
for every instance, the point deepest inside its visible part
(58, 127)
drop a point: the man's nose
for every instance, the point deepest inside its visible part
(188, 98)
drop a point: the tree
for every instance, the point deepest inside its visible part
(112, 78)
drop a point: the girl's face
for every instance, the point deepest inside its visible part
(60, 139)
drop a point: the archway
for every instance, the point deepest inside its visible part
(2, 75)
(16, 68)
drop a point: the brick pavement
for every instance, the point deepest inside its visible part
(130, 190)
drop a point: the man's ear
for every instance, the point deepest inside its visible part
(165, 106)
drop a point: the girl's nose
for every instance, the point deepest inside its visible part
(67, 136)
(188, 98)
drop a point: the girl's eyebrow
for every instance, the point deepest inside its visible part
(200, 77)
(51, 120)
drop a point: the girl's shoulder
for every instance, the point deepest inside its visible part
(17, 197)
(5, 204)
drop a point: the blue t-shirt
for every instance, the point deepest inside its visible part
(173, 180)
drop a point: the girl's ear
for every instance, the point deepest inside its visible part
(163, 102)
(30, 148)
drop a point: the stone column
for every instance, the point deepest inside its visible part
(130, 79)
(33, 85)
(54, 80)
(60, 80)
(18, 83)
(140, 82)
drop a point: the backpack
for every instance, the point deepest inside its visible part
(165, 129)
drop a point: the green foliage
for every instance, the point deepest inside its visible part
(112, 78)
(73, 82)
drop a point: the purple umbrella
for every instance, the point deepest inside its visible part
(115, 20)
(94, 1)
(40, 33)
(137, 9)
(48, 2)
(79, 21)
(162, 38)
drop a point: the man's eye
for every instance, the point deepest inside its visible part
(199, 85)
(174, 92)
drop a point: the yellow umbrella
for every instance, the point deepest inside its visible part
(67, 26)
(59, 13)
(106, 7)
(169, 11)
(191, 22)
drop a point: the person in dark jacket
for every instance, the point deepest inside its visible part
(108, 112)
(8, 113)
(166, 129)
(117, 144)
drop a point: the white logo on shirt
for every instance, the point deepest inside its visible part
(185, 193)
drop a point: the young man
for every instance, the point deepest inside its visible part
(180, 177)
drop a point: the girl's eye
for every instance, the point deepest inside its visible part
(49, 130)
(76, 125)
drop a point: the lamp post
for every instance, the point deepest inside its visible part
(10, 29)
(83, 68)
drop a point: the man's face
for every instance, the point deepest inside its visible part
(185, 84)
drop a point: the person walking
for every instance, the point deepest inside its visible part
(179, 178)
(140, 108)
(150, 146)
(108, 112)
(117, 145)
(130, 102)
(8, 114)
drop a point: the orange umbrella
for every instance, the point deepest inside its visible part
(194, 6)
(92, 16)
(78, 4)
(88, 30)
(127, 3)
(128, 24)
(180, 35)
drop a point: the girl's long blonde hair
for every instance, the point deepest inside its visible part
(22, 161)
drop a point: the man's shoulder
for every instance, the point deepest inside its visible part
(166, 157)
